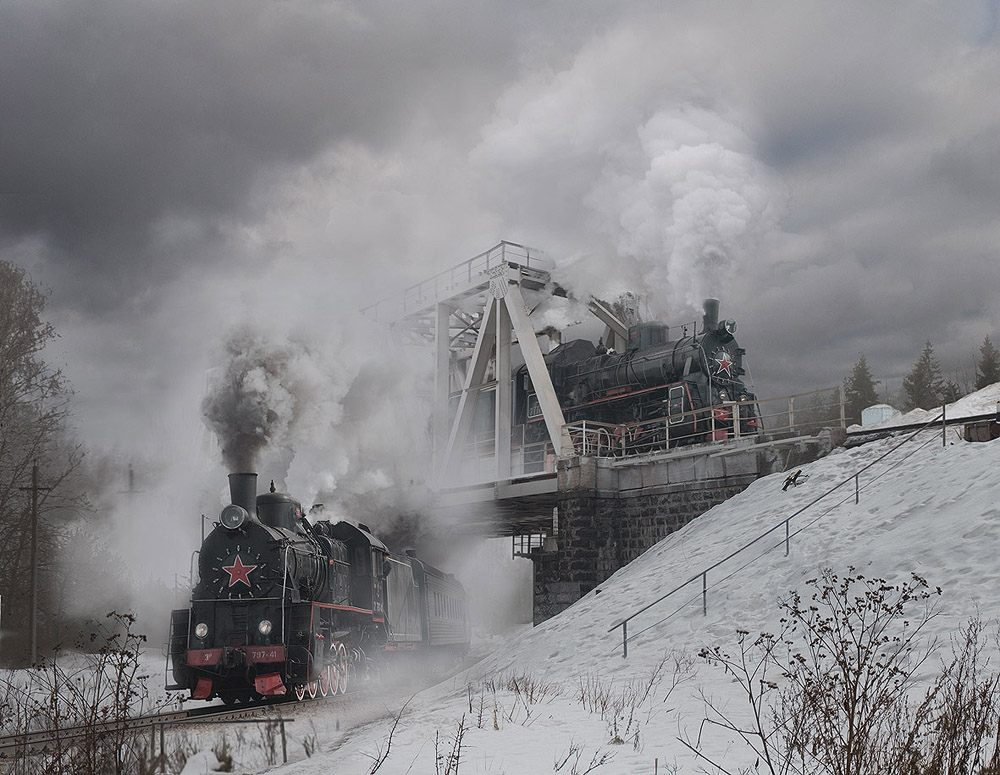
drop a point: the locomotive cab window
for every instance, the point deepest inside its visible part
(675, 404)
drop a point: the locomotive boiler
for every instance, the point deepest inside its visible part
(660, 392)
(285, 606)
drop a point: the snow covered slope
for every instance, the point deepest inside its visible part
(536, 701)
(981, 402)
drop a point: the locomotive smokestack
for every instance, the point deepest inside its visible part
(243, 491)
(711, 319)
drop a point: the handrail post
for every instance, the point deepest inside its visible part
(704, 574)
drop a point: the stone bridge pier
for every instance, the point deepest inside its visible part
(610, 511)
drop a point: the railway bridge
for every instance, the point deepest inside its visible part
(576, 505)
(594, 515)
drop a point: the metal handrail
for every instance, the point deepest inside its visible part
(284, 581)
(703, 575)
(463, 274)
(625, 433)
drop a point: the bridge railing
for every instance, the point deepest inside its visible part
(723, 422)
(701, 578)
(803, 412)
(821, 408)
(711, 425)
(445, 284)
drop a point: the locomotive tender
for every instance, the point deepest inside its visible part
(284, 604)
(658, 393)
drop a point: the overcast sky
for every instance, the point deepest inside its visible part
(170, 168)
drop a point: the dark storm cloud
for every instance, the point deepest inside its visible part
(180, 166)
(120, 115)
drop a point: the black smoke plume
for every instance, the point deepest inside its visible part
(247, 404)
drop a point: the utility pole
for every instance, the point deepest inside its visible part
(34, 558)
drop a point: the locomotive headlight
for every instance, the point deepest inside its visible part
(200, 630)
(723, 395)
(264, 627)
(233, 516)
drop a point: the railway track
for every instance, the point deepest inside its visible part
(43, 741)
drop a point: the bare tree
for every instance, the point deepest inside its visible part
(34, 405)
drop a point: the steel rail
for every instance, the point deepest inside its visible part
(36, 741)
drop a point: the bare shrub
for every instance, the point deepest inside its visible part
(448, 757)
(310, 741)
(952, 730)
(832, 692)
(82, 706)
(524, 692)
(628, 708)
(382, 753)
(574, 758)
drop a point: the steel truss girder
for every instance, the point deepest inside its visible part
(445, 309)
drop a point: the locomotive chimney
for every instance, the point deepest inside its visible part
(711, 319)
(243, 491)
(555, 337)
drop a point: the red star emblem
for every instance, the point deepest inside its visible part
(238, 571)
(724, 364)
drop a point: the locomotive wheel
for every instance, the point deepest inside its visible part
(311, 689)
(324, 682)
(335, 674)
(300, 692)
(341, 663)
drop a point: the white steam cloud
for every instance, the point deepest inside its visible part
(690, 210)
(653, 174)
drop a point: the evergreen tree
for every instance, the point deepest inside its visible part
(988, 368)
(923, 386)
(951, 392)
(859, 391)
(823, 410)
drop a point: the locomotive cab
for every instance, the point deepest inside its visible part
(280, 510)
(369, 560)
(642, 336)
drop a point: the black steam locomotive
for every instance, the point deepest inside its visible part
(660, 392)
(282, 604)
